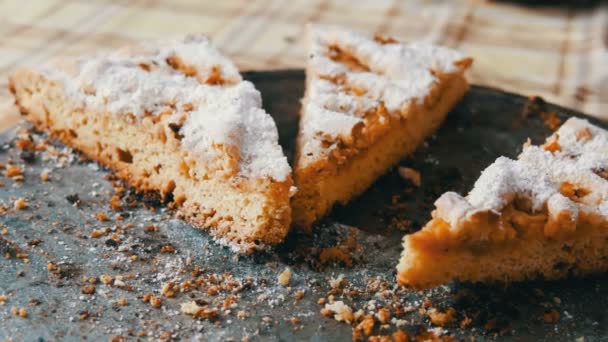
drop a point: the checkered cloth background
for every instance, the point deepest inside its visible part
(559, 54)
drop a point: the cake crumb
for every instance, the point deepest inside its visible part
(193, 309)
(285, 277)
(115, 203)
(167, 249)
(106, 279)
(551, 316)
(442, 318)
(45, 176)
(20, 204)
(384, 316)
(341, 311)
(13, 171)
(156, 302)
(101, 216)
(97, 233)
(411, 175)
(169, 289)
(364, 328)
(88, 289)
(21, 312)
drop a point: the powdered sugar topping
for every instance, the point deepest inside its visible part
(540, 174)
(393, 75)
(168, 76)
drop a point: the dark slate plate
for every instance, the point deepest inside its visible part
(486, 124)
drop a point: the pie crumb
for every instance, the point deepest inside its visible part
(285, 277)
(411, 175)
(20, 204)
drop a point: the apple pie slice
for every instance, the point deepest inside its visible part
(542, 215)
(173, 117)
(368, 102)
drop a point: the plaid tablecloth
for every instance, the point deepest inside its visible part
(559, 54)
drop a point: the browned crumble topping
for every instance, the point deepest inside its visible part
(584, 134)
(551, 120)
(553, 146)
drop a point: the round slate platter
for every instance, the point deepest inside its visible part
(486, 124)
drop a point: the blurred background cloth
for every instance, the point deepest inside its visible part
(558, 53)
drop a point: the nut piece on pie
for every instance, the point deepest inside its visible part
(368, 102)
(542, 215)
(173, 117)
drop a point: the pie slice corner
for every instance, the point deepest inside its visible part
(543, 215)
(368, 102)
(172, 117)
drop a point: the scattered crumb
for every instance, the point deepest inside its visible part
(20, 204)
(97, 233)
(193, 309)
(341, 311)
(88, 289)
(411, 175)
(364, 328)
(45, 176)
(169, 290)
(442, 318)
(384, 316)
(156, 301)
(167, 249)
(101, 216)
(123, 301)
(285, 277)
(336, 282)
(106, 279)
(150, 229)
(551, 316)
(21, 312)
(13, 171)
(551, 120)
(115, 203)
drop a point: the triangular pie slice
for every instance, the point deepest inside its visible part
(544, 215)
(368, 102)
(173, 117)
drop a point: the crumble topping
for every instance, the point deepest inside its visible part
(352, 75)
(566, 180)
(217, 114)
